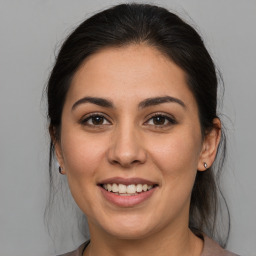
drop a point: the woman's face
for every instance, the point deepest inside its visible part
(131, 142)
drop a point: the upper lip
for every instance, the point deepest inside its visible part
(127, 181)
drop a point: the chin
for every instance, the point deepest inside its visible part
(129, 228)
(129, 234)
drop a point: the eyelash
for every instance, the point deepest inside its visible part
(171, 120)
(85, 120)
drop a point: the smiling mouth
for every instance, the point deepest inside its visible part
(127, 190)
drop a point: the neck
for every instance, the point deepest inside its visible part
(181, 242)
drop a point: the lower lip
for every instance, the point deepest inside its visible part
(127, 201)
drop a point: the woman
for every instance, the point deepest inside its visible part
(132, 104)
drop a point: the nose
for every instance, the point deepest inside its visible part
(126, 148)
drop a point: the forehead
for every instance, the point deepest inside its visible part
(129, 72)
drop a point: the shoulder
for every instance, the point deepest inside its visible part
(211, 248)
(78, 251)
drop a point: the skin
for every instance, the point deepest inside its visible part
(130, 143)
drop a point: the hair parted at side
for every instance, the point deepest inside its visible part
(155, 26)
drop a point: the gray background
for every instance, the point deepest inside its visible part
(30, 33)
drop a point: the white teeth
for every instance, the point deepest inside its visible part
(131, 189)
(115, 188)
(139, 188)
(109, 187)
(121, 189)
(144, 187)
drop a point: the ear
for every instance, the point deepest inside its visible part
(57, 148)
(210, 146)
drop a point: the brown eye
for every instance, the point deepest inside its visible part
(95, 120)
(159, 120)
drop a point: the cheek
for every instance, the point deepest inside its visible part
(83, 158)
(176, 157)
(82, 154)
(179, 152)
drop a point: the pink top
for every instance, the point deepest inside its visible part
(211, 248)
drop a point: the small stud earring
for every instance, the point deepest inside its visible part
(205, 165)
(60, 170)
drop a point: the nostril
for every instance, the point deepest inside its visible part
(114, 162)
(126, 163)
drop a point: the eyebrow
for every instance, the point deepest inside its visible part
(144, 104)
(160, 100)
(94, 100)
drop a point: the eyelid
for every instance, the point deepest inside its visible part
(93, 114)
(172, 120)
